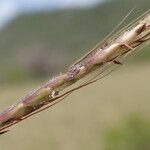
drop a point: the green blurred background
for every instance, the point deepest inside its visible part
(112, 114)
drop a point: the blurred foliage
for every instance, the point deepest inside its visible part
(132, 134)
(42, 44)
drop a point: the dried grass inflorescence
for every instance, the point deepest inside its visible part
(107, 52)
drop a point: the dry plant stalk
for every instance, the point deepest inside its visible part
(107, 52)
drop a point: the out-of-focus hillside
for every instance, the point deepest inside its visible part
(41, 44)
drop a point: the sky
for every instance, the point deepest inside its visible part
(10, 9)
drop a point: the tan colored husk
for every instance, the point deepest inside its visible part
(121, 44)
